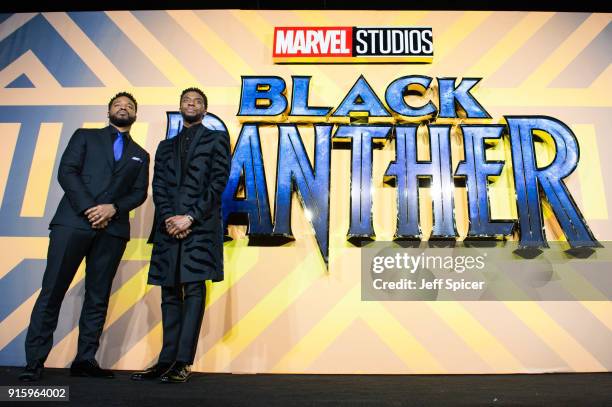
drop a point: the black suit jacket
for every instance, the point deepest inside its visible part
(89, 176)
(197, 193)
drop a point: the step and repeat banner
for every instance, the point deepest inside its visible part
(410, 192)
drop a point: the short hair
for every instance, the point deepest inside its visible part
(125, 94)
(197, 90)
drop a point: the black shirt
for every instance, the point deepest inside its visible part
(185, 137)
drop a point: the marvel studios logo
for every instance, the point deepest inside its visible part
(352, 44)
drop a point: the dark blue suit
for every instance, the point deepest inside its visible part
(89, 176)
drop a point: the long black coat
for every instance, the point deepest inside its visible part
(89, 176)
(198, 194)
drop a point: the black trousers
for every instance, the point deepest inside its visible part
(67, 249)
(182, 307)
(182, 312)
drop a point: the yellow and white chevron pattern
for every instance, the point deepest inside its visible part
(281, 309)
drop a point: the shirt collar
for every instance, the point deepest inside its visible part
(191, 129)
(113, 133)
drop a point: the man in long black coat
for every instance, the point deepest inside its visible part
(104, 175)
(191, 172)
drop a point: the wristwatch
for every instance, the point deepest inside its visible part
(190, 218)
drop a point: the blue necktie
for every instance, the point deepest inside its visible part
(118, 146)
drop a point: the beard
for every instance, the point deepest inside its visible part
(121, 121)
(193, 118)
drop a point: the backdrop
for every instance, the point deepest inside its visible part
(282, 308)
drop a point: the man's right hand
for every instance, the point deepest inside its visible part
(182, 235)
(100, 225)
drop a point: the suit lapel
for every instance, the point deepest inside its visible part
(128, 153)
(107, 145)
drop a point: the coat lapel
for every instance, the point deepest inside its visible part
(194, 143)
(177, 154)
(177, 159)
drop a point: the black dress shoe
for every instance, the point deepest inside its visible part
(154, 372)
(179, 373)
(89, 368)
(32, 372)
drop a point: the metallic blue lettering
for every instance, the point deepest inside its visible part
(451, 95)
(407, 169)
(361, 98)
(247, 166)
(295, 173)
(477, 170)
(299, 99)
(267, 89)
(529, 181)
(361, 175)
(398, 89)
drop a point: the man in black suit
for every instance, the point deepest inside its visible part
(104, 175)
(191, 171)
